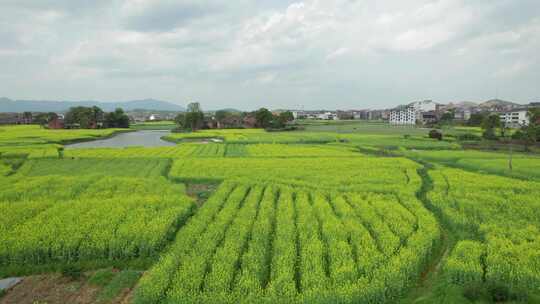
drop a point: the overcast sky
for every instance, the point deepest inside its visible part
(275, 53)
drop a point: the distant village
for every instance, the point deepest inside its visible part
(428, 113)
(418, 113)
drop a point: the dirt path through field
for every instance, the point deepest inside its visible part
(432, 272)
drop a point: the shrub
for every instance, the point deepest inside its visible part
(71, 271)
(435, 134)
(61, 152)
(489, 134)
(472, 291)
(499, 293)
(519, 135)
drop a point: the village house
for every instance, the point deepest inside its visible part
(56, 123)
(16, 118)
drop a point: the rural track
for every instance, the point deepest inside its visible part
(433, 269)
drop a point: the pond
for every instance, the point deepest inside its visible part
(129, 139)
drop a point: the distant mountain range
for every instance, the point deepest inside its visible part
(9, 105)
(233, 110)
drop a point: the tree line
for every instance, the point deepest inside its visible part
(87, 118)
(194, 119)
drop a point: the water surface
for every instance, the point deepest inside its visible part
(130, 139)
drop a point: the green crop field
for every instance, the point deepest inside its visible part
(524, 166)
(154, 125)
(63, 219)
(31, 134)
(499, 220)
(337, 213)
(366, 139)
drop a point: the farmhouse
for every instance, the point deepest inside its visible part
(56, 123)
(15, 118)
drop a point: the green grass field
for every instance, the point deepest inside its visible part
(520, 165)
(338, 213)
(32, 134)
(154, 125)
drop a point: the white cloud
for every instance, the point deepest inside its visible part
(337, 53)
(329, 47)
(514, 69)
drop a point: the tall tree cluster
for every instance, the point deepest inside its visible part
(266, 119)
(85, 117)
(193, 119)
(95, 117)
(44, 118)
(117, 119)
(490, 125)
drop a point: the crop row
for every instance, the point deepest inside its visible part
(30, 151)
(73, 219)
(272, 242)
(179, 151)
(217, 150)
(141, 167)
(502, 212)
(366, 173)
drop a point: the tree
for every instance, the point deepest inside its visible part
(194, 107)
(27, 117)
(117, 119)
(476, 119)
(85, 117)
(44, 118)
(193, 119)
(285, 117)
(97, 114)
(264, 118)
(490, 124)
(180, 120)
(448, 117)
(531, 132)
(221, 115)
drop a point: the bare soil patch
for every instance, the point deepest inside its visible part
(200, 192)
(50, 289)
(58, 289)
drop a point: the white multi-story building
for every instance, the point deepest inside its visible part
(410, 114)
(405, 115)
(515, 118)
